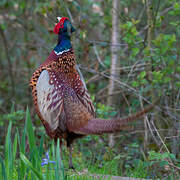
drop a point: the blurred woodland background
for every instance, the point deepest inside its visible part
(129, 54)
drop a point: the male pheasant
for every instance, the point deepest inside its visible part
(61, 100)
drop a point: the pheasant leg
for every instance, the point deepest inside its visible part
(70, 157)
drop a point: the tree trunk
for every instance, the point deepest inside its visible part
(150, 37)
(114, 60)
(149, 69)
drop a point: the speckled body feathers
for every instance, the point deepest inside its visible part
(60, 99)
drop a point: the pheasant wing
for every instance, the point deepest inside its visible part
(82, 94)
(50, 102)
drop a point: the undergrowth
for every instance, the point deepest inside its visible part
(24, 154)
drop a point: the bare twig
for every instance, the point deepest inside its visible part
(145, 126)
(98, 57)
(166, 10)
(8, 59)
(119, 82)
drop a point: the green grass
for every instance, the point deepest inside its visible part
(26, 164)
(23, 154)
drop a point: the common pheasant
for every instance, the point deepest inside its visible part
(61, 100)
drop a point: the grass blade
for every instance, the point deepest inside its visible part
(59, 169)
(30, 166)
(8, 153)
(22, 145)
(4, 177)
(30, 132)
(34, 154)
(41, 148)
(15, 147)
(23, 141)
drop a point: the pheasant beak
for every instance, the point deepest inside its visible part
(58, 18)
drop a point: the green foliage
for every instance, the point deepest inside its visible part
(130, 35)
(14, 116)
(20, 163)
(104, 111)
(30, 166)
(160, 159)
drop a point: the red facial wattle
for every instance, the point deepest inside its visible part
(59, 25)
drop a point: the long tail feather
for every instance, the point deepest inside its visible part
(100, 126)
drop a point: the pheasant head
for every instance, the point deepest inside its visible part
(63, 26)
(64, 29)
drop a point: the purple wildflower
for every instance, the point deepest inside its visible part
(46, 160)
